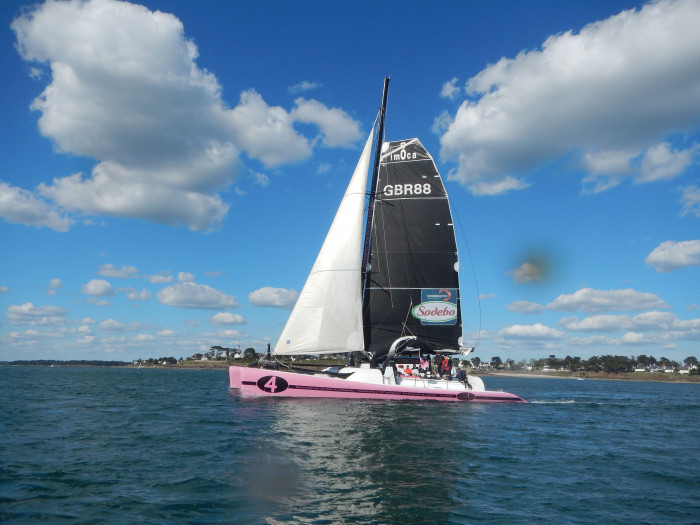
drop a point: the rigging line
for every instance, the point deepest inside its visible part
(476, 282)
(405, 321)
(368, 193)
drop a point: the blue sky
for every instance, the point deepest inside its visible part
(169, 169)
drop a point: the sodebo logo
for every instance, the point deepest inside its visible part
(435, 312)
(437, 306)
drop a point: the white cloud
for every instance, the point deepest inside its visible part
(193, 295)
(503, 185)
(262, 180)
(233, 335)
(304, 85)
(610, 94)
(662, 162)
(267, 133)
(670, 255)
(112, 325)
(646, 321)
(590, 300)
(28, 314)
(450, 89)
(337, 128)
(4, 289)
(526, 273)
(525, 307)
(138, 295)
(534, 331)
(109, 270)
(185, 277)
(691, 201)
(276, 297)
(98, 287)
(117, 70)
(24, 207)
(161, 278)
(226, 318)
(633, 338)
(54, 285)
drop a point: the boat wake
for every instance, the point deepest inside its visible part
(553, 401)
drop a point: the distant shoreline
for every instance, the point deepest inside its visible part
(656, 377)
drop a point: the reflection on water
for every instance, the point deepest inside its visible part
(358, 461)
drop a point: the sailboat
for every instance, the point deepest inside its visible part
(384, 290)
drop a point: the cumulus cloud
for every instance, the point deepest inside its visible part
(160, 278)
(109, 270)
(337, 128)
(24, 207)
(664, 162)
(117, 71)
(98, 287)
(226, 318)
(534, 331)
(526, 273)
(609, 94)
(185, 277)
(525, 307)
(645, 321)
(450, 89)
(275, 297)
(304, 85)
(112, 325)
(267, 132)
(261, 179)
(192, 295)
(671, 255)
(28, 314)
(594, 301)
(691, 201)
(138, 295)
(54, 285)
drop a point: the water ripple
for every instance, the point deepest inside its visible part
(168, 446)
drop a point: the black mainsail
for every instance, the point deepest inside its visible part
(413, 285)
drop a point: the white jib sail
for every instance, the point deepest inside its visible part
(327, 317)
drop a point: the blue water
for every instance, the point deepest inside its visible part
(95, 445)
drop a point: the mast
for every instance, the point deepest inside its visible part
(373, 196)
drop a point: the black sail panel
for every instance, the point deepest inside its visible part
(413, 282)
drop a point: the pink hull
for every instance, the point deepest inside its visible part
(234, 376)
(262, 382)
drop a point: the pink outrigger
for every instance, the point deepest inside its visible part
(273, 383)
(384, 287)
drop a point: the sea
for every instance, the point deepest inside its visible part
(156, 446)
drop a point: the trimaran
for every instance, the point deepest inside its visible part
(384, 290)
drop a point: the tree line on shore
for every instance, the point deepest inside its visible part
(603, 363)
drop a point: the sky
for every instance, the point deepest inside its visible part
(169, 169)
